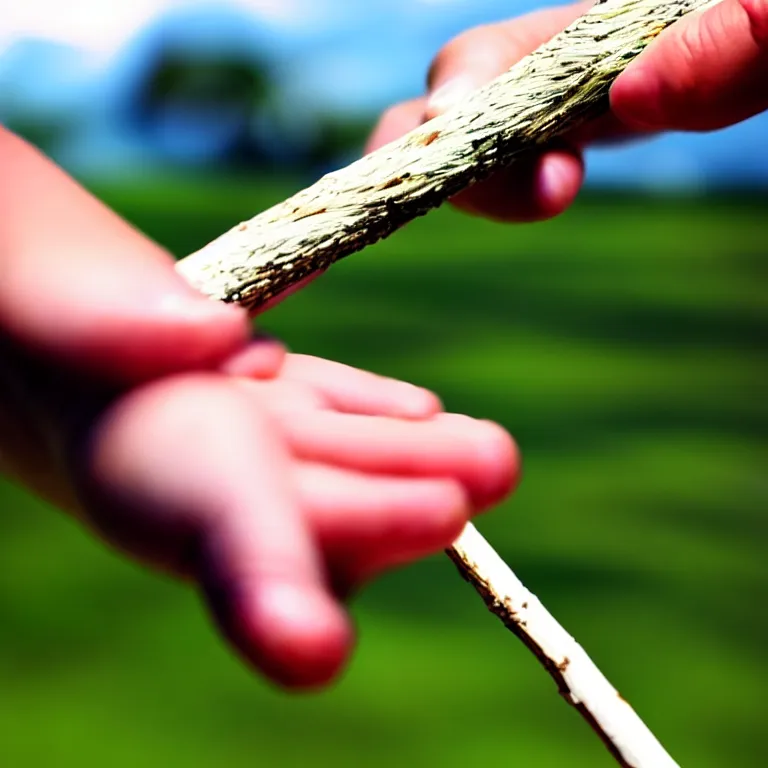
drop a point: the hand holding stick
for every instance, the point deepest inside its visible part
(559, 87)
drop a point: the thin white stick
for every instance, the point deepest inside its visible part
(579, 680)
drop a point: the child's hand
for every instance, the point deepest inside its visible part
(276, 483)
(276, 497)
(280, 497)
(707, 71)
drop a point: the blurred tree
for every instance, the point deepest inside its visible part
(210, 101)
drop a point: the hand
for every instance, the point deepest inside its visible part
(277, 484)
(278, 498)
(707, 71)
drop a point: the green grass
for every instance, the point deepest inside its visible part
(623, 345)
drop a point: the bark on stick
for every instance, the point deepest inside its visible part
(558, 87)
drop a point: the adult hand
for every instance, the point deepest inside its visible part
(707, 71)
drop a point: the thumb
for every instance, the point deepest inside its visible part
(707, 71)
(82, 287)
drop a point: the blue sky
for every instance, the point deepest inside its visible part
(352, 55)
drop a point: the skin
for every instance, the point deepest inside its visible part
(276, 484)
(708, 71)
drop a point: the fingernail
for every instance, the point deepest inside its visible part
(449, 94)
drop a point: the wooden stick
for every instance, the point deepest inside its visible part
(559, 87)
(579, 680)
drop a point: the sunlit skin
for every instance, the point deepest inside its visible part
(276, 483)
(708, 71)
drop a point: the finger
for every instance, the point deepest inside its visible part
(606, 130)
(534, 188)
(80, 286)
(366, 524)
(193, 453)
(396, 122)
(478, 454)
(280, 397)
(481, 54)
(707, 71)
(350, 390)
(263, 358)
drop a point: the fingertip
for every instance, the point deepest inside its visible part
(188, 333)
(425, 404)
(534, 188)
(412, 402)
(705, 72)
(304, 636)
(560, 175)
(296, 635)
(493, 466)
(263, 358)
(350, 390)
(465, 64)
(88, 291)
(479, 55)
(499, 455)
(371, 524)
(425, 521)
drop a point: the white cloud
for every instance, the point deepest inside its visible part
(95, 25)
(101, 26)
(278, 11)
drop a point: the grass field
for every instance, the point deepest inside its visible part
(623, 345)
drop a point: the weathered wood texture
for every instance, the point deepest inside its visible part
(558, 87)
